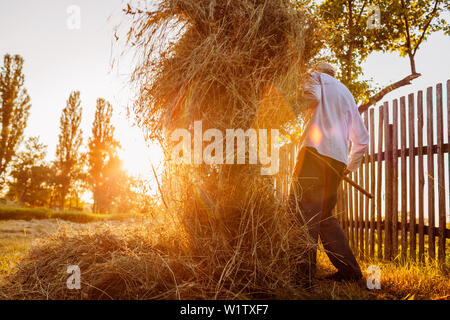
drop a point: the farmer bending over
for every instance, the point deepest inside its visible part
(322, 162)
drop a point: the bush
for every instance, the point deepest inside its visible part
(20, 213)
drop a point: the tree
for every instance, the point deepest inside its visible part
(14, 110)
(69, 160)
(403, 27)
(115, 188)
(411, 23)
(102, 158)
(346, 32)
(32, 178)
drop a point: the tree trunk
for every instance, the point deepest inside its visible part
(412, 63)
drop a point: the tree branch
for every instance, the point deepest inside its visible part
(426, 27)
(408, 36)
(377, 97)
(361, 12)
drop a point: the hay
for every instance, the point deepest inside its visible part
(233, 63)
(152, 261)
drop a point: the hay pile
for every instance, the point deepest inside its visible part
(231, 64)
(151, 261)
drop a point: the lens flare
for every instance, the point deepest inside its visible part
(315, 135)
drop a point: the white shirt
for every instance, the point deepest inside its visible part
(335, 122)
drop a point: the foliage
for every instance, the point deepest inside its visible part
(14, 109)
(347, 40)
(69, 160)
(404, 26)
(105, 172)
(27, 214)
(31, 178)
(410, 24)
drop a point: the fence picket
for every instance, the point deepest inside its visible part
(346, 209)
(367, 187)
(372, 182)
(379, 183)
(351, 219)
(448, 141)
(361, 214)
(441, 180)
(412, 179)
(421, 178)
(388, 183)
(395, 178)
(430, 173)
(403, 180)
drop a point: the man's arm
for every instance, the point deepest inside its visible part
(312, 92)
(359, 136)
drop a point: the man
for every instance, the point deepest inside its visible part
(322, 162)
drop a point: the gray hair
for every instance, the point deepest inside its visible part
(326, 67)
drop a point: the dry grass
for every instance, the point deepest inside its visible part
(232, 64)
(399, 281)
(147, 261)
(12, 251)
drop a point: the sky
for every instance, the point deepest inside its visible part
(63, 54)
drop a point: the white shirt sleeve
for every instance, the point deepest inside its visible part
(313, 92)
(359, 138)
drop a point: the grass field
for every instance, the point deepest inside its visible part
(398, 282)
(408, 250)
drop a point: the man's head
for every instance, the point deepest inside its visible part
(325, 67)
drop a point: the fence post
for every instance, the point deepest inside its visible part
(388, 183)
(350, 217)
(420, 175)
(403, 174)
(448, 129)
(430, 169)
(346, 211)
(372, 182)
(395, 178)
(361, 214)
(412, 179)
(379, 183)
(441, 180)
(356, 211)
(366, 186)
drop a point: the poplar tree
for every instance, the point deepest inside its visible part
(69, 160)
(102, 158)
(14, 110)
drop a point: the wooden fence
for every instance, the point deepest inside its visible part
(405, 170)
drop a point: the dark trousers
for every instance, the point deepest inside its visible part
(313, 197)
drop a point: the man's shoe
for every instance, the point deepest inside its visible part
(339, 276)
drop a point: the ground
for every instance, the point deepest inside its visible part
(397, 282)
